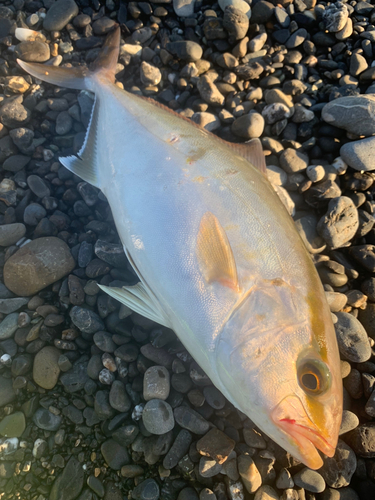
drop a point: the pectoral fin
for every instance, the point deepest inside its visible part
(137, 299)
(214, 253)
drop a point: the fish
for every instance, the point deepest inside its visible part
(218, 257)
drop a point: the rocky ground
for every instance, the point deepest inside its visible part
(98, 402)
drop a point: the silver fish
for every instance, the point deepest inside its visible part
(218, 258)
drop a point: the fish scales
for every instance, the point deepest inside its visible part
(219, 259)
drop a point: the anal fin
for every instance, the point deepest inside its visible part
(136, 298)
(85, 164)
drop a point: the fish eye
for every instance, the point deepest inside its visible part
(314, 377)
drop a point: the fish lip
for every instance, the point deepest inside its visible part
(302, 433)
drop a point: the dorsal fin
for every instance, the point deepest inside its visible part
(214, 253)
(252, 151)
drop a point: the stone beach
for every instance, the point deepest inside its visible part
(97, 401)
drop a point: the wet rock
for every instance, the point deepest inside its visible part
(37, 265)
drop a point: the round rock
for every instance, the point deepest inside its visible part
(310, 480)
(359, 154)
(11, 233)
(46, 370)
(59, 15)
(355, 114)
(158, 417)
(248, 126)
(156, 383)
(37, 265)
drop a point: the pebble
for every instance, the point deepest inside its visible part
(184, 8)
(13, 114)
(38, 186)
(118, 397)
(150, 75)
(156, 383)
(262, 12)
(335, 17)
(69, 483)
(186, 50)
(365, 255)
(352, 113)
(60, 14)
(310, 480)
(352, 338)
(266, 492)
(338, 470)
(362, 440)
(209, 467)
(249, 473)
(37, 265)
(179, 448)
(236, 21)
(115, 455)
(275, 112)
(339, 225)
(293, 161)
(46, 370)
(96, 485)
(248, 126)
(358, 154)
(11, 233)
(191, 420)
(8, 306)
(146, 490)
(33, 51)
(216, 444)
(85, 320)
(13, 425)
(15, 163)
(157, 417)
(46, 420)
(209, 92)
(7, 394)
(8, 326)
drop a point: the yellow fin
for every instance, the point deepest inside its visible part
(214, 253)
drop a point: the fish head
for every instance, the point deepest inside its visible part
(278, 362)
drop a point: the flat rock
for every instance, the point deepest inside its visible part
(11, 233)
(216, 444)
(158, 417)
(359, 154)
(33, 51)
(355, 114)
(46, 420)
(46, 370)
(37, 265)
(8, 326)
(310, 480)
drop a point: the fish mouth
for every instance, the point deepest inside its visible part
(292, 419)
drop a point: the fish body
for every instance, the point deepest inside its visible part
(219, 259)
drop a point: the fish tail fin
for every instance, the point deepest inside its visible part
(80, 77)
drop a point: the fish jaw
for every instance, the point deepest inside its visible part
(305, 437)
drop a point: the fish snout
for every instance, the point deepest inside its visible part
(303, 434)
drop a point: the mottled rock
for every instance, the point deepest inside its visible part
(339, 225)
(158, 417)
(352, 338)
(37, 265)
(359, 154)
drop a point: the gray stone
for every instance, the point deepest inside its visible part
(86, 320)
(191, 420)
(235, 22)
(158, 417)
(335, 16)
(156, 383)
(15, 163)
(209, 92)
(355, 114)
(114, 454)
(75, 379)
(359, 154)
(46, 370)
(13, 114)
(352, 338)
(8, 306)
(59, 15)
(339, 225)
(118, 397)
(184, 8)
(338, 470)
(11, 233)
(293, 161)
(68, 485)
(310, 480)
(146, 490)
(248, 126)
(7, 394)
(46, 420)
(33, 51)
(8, 326)
(185, 49)
(37, 265)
